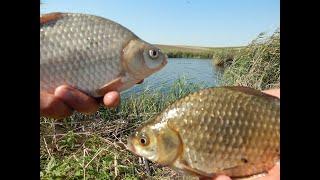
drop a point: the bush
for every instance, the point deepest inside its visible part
(257, 65)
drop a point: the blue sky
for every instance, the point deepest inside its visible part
(213, 23)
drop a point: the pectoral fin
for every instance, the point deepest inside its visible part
(114, 85)
(183, 166)
(253, 177)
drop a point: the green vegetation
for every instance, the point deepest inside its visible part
(193, 51)
(93, 147)
(257, 65)
(225, 57)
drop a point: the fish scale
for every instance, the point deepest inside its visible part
(224, 130)
(205, 144)
(86, 52)
(87, 58)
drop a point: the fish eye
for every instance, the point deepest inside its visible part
(144, 141)
(153, 53)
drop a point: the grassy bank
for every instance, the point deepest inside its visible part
(92, 147)
(225, 57)
(194, 51)
(257, 65)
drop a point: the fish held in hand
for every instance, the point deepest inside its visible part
(93, 54)
(233, 131)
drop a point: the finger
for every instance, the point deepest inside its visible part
(273, 92)
(76, 99)
(222, 177)
(273, 174)
(52, 107)
(111, 99)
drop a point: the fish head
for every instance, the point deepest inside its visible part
(143, 143)
(161, 145)
(141, 59)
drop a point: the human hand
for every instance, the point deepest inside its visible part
(273, 92)
(66, 99)
(274, 173)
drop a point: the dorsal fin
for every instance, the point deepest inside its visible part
(50, 17)
(250, 91)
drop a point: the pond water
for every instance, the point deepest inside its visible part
(199, 71)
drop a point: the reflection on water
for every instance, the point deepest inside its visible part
(200, 71)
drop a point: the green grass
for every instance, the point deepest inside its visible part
(225, 57)
(92, 146)
(257, 65)
(194, 51)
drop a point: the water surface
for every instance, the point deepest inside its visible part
(199, 71)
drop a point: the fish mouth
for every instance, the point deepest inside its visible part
(165, 60)
(140, 82)
(131, 147)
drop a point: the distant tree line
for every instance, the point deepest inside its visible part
(180, 54)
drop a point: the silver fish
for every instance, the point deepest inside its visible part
(93, 54)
